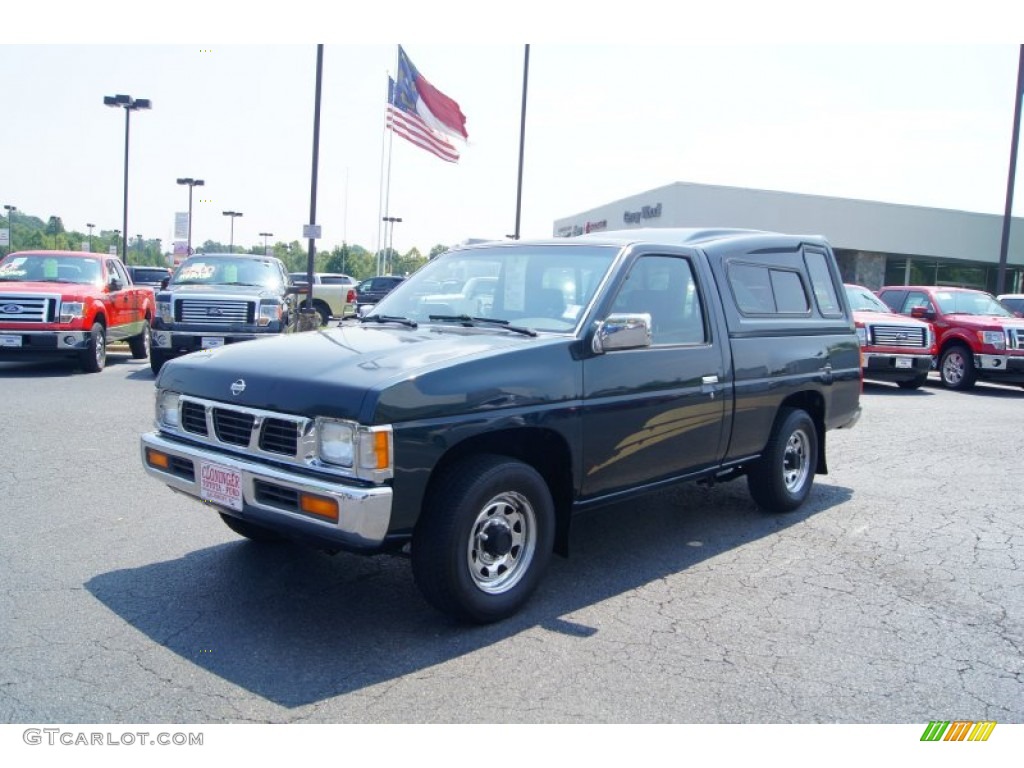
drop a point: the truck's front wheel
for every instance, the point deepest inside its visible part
(957, 368)
(484, 539)
(782, 478)
(94, 356)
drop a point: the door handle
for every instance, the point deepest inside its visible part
(707, 384)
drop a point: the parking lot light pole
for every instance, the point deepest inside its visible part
(265, 235)
(10, 226)
(392, 220)
(90, 226)
(234, 215)
(192, 183)
(123, 101)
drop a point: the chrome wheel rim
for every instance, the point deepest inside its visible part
(501, 543)
(796, 464)
(953, 368)
(100, 349)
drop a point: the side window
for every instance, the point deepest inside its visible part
(116, 269)
(664, 287)
(821, 284)
(917, 299)
(761, 290)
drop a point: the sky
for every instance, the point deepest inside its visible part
(621, 99)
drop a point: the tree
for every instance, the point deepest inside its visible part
(437, 249)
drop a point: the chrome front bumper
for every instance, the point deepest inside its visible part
(364, 512)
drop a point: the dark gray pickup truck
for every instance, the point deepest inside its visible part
(605, 366)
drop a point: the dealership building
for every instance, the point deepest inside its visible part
(876, 243)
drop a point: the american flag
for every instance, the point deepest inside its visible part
(421, 114)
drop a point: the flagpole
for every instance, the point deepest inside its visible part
(522, 140)
(380, 188)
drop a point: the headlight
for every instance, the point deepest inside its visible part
(366, 450)
(929, 337)
(163, 311)
(71, 310)
(269, 313)
(168, 409)
(862, 335)
(336, 443)
(995, 339)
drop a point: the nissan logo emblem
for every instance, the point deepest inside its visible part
(11, 309)
(238, 387)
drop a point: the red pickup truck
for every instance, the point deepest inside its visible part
(70, 304)
(892, 347)
(976, 337)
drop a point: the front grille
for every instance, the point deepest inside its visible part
(193, 418)
(183, 468)
(232, 426)
(898, 336)
(215, 312)
(1016, 338)
(30, 308)
(278, 436)
(276, 496)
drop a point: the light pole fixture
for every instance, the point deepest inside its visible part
(192, 183)
(128, 104)
(392, 220)
(10, 226)
(234, 215)
(265, 235)
(90, 226)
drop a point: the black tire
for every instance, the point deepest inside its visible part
(782, 478)
(484, 539)
(94, 356)
(915, 383)
(157, 358)
(250, 530)
(956, 368)
(324, 311)
(140, 345)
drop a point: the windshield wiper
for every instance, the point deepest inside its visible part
(468, 322)
(389, 319)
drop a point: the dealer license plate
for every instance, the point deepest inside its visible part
(10, 341)
(220, 485)
(210, 342)
(904, 362)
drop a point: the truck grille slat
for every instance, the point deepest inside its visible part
(215, 312)
(279, 437)
(897, 336)
(193, 418)
(233, 427)
(28, 308)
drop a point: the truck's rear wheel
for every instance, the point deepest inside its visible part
(485, 538)
(94, 356)
(324, 311)
(782, 478)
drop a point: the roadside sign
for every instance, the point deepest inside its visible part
(311, 231)
(181, 225)
(5, 237)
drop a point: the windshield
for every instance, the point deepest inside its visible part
(541, 287)
(227, 270)
(863, 300)
(47, 268)
(969, 303)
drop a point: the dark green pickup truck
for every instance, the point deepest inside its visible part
(605, 366)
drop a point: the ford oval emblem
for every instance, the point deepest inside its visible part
(11, 309)
(238, 387)
(214, 312)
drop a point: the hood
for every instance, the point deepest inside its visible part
(240, 291)
(888, 318)
(988, 320)
(52, 287)
(377, 374)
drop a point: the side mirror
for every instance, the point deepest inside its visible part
(164, 282)
(115, 284)
(297, 288)
(622, 331)
(922, 313)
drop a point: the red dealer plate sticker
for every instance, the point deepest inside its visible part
(220, 485)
